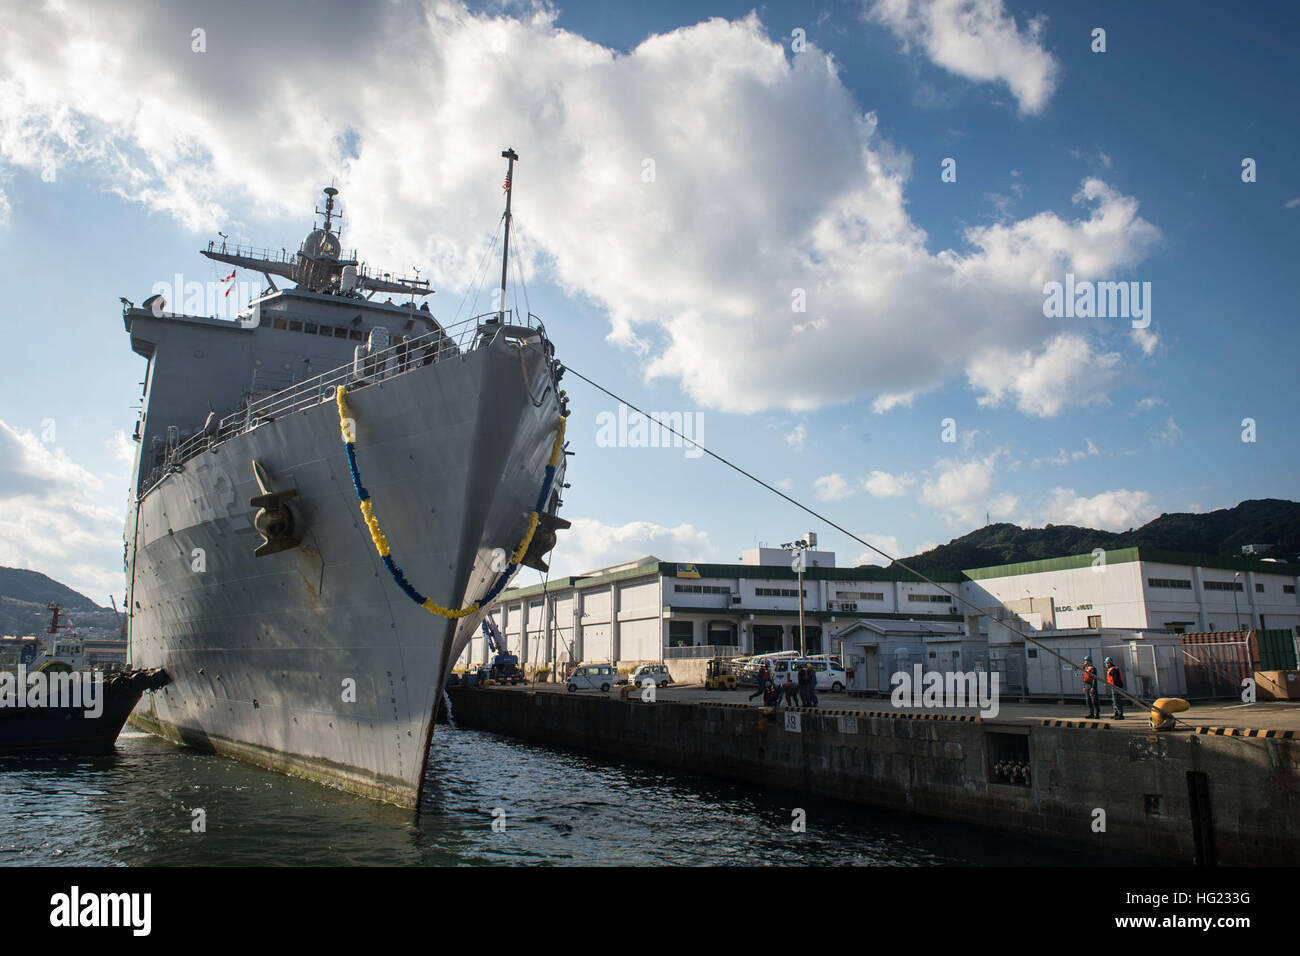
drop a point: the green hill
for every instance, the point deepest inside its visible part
(24, 594)
(1223, 532)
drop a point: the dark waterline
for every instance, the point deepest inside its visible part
(134, 807)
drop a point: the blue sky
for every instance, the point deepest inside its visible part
(123, 150)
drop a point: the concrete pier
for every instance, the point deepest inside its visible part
(1176, 797)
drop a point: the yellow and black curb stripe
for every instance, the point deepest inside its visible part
(1244, 732)
(964, 718)
(1084, 724)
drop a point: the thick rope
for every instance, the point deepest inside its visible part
(347, 426)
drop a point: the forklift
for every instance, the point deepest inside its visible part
(719, 675)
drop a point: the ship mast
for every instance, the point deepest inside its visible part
(511, 155)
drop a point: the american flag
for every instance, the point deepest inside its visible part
(506, 185)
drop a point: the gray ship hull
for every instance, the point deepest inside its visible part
(312, 661)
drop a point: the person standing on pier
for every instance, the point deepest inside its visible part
(1116, 681)
(1090, 689)
(791, 692)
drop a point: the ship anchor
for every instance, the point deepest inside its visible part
(273, 520)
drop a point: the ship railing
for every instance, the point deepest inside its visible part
(282, 255)
(367, 367)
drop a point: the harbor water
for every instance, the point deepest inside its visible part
(551, 807)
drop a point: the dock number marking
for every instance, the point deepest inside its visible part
(793, 722)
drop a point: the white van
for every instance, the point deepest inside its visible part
(655, 672)
(592, 677)
(829, 671)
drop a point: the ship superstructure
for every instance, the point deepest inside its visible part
(329, 493)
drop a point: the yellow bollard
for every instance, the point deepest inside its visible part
(1162, 712)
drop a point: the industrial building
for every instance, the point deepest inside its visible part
(1143, 588)
(1135, 599)
(650, 609)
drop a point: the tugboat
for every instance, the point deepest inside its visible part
(55, 704)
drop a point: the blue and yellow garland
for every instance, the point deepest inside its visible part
(381, 542)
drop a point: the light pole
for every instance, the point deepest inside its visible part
(1235, 611)
(797, 548)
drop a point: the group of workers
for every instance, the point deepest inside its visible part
(800, 694)
(1090, 688)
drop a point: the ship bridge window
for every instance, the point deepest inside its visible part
(295, 326)
(340, 333)
(355, 334)
(281, 323)
(309, 328)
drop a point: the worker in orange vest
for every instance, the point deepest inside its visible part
(1116, 681)
(1090, 688)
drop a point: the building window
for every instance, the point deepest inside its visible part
(860, 595)
(1288, 589)
(538, 603)
(930, 598)
(1222, 585)
(700, 589)
(681, 633)
(1094, 620)
(1169, 583)
(1259, 589)
(778, 592)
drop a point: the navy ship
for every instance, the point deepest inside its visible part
(330, 491)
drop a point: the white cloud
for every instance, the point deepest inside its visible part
(590, 545)
(408, 106)
(1146, 340)
(1108, 511)
(1067, 372)
(797, 437)
(51, 518)
(1062, 457)
(1151, 401)
(978, 40)
(882, 484)
(832, 488)
(1291, 203)
(959, 490)
(1169, 434)
(887, 402)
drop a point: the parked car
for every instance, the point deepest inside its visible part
(592, 677)
(656, 672)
